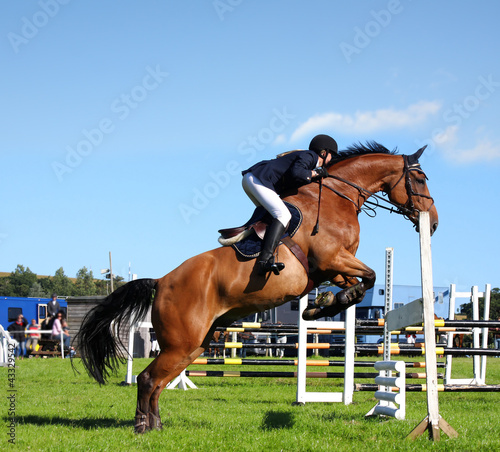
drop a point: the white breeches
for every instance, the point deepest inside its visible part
(267, 198)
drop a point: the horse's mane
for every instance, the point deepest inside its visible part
(357, 149)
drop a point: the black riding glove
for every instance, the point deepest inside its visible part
(321, 172)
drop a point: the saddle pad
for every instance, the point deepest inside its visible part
(251, 246)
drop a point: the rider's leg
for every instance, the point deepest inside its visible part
(270, 200)
(266, 261)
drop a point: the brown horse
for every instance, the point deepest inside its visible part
(217, 287)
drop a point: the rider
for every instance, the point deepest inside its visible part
(266, 180)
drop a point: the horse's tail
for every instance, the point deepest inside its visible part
(98, 343)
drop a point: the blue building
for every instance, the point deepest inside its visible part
(30, 308)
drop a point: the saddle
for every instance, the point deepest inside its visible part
(247, 239)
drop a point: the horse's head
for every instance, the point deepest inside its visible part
(411, 191)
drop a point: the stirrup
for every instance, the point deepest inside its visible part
(268, 266)
(276, 267)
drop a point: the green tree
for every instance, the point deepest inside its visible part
(85, 283)
(37, 291)
(21, 280)
(494, 306)
(61, 284)
(5, 289)
(494, 313)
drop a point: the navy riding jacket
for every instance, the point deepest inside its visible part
(289, 171)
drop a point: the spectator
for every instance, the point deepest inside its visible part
(16, 331)
(410, 339)
(67, 338)
(246, 338)
(57, 327)
(32, 340)
(281, 339)
(53, 306)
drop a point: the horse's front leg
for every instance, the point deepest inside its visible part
(348, 268)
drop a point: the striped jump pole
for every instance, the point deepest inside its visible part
(292, 362)
(438, 323)
(387, 399)
(284, 374)
(440, 387)
(396, 349)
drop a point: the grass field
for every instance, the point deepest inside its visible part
(58, 410)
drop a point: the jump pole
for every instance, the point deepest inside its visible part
(433, 422)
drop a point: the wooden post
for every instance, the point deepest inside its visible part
(433, 422)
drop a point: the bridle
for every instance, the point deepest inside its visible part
(407, 210)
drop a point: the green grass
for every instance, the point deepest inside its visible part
(59, 410)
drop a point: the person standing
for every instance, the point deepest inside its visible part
(53, 306)
(17, 332)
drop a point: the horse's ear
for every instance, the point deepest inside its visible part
(413, 159)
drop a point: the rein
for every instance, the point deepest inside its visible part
(405, 210)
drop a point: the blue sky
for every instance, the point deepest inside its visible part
(126, 125)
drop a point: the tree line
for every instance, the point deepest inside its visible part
(466, 308)
(22, 282)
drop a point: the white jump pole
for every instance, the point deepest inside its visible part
(433, 422)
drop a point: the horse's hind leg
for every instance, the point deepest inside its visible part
(151, 381)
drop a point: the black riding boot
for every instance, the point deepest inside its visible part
(266, 262)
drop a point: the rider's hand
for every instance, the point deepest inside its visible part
(321, 172)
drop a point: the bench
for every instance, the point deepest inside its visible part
(47, 347)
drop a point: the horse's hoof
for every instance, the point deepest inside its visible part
(325, 299)
(311, 314)
(141, 423)
(155, 422)
(343, 297)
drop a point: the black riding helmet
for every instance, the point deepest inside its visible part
(323, 142)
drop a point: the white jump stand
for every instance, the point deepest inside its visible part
(302, 395)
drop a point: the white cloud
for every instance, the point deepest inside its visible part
(367, 121)
(280, 139)
(483, 151)
(447, 138)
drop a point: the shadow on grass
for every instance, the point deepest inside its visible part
(86, 424)
(275, 420)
